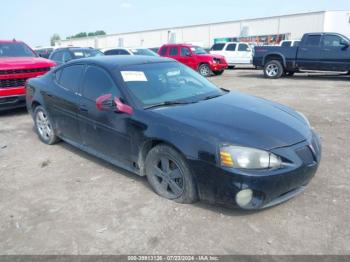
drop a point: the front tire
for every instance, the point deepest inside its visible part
(204, 70)
(43, 126)
(218, 73)
(273, 69)
(169, 175)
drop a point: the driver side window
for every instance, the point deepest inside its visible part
(185, 51)
(98, 82)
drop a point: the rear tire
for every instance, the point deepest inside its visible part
(169, 175)
(273, 69)
(44, 127)
(218, 73)
(204, 70)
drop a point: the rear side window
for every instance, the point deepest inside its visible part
(231, 47)
(112, 52)
(217, 47)
(174, 51)
(69, 77)
(286, 44)
(313, 40)
(243, 47)
(164, 51)
(97, 82)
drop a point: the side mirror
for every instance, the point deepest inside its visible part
(107, 104)
(121, 107)
(189, 55)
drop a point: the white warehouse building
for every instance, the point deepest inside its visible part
(269, 30)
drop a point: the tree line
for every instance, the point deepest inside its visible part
(56, 37)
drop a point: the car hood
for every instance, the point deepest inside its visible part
(9, 63)
(242, 120)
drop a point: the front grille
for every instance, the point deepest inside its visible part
(4, 83)
(24, 71)
(306, 155)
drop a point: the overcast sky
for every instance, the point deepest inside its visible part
(34, 21)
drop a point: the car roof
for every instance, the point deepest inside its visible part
(73, 48)
(187, 45)
(9, 41)
(111, 62)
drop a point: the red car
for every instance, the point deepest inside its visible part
(18, 62)
(196, 58)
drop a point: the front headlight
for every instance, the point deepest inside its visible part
(305, 118)
(248, 158)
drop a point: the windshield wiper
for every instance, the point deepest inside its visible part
(170, 103)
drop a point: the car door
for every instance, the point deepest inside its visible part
(244, 54)
(230, 54)
(335, 56)
(309, 52)
(174, 53)
(103, 132)
(62, 101)
(186, 57)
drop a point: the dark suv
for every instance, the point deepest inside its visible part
(63, 55)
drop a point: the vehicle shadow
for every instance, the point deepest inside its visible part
(14, 112)
(218, 209)
(299, 76)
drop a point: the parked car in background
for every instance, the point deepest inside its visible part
(196, 58)
(289, 43)
(316, 52)
(65, 54)
(192, 140)
(44, 51)
(236, 53)
(18, 63)
(130, 51)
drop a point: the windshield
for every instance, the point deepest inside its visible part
(15, 49)
(158, 83)
(198, 50)
(143, 51)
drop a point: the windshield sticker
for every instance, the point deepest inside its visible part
(133, 76)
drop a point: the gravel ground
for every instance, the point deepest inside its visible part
(59, 200)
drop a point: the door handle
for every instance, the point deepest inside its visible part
(83, 108)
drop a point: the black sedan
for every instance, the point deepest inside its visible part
(158, 118)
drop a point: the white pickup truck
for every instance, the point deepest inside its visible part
(236, 53)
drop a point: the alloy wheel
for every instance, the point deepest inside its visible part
(169, 177)
(272, 70)
(43, 125)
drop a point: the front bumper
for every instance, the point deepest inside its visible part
(218, 67)
(12, 102)
(219, 185)
(11, 98)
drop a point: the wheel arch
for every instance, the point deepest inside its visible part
(146, 148)
(275, 56)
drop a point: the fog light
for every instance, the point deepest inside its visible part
(244, 197)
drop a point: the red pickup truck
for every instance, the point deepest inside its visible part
(196, 58)
(18, 62)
